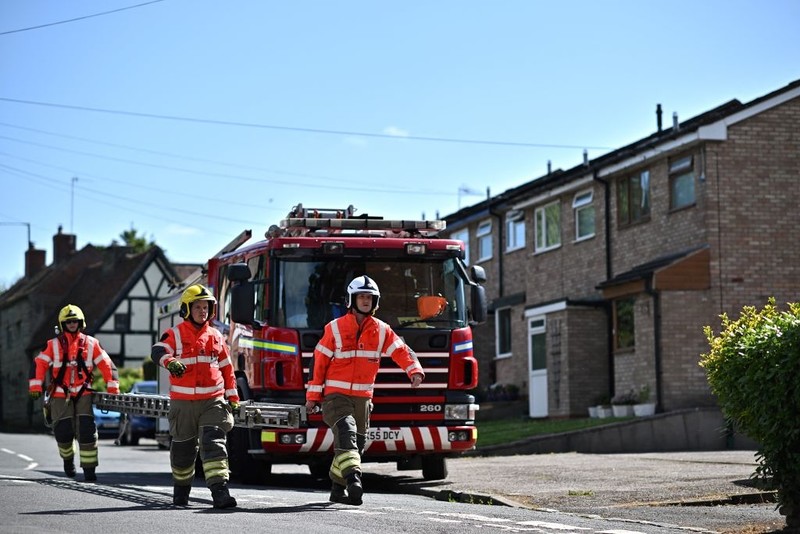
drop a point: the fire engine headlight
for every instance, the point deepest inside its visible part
(458, 435)
(292, 439)
(462, 412)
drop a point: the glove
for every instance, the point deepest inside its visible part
(234, 405)
(34, 394)
(176, 368)
(416, 380)
(313, 407)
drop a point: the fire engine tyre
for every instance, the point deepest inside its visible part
(320, 469)
(434, 467)
(244, 468)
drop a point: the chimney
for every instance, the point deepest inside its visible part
(34, 261)
(585, 157)
(63, 246)
(549, 167)
(675, 125)
(658, 116)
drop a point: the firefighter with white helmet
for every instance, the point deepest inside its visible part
(342, 379)
(72, 355)
(203, 396)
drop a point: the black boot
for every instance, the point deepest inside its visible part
(180, 495)
(69, 467)
(222, 498)
(354, 488)
(338, 494)
(89, 474)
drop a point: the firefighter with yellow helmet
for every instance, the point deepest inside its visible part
(342, 379)
(202, 397)
(72, 357)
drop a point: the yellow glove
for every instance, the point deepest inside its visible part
(176, 368)
(34, 394)
(234, 405)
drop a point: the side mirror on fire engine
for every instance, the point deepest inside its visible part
(243, 294)
(478, 295)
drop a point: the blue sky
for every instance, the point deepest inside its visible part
(191, 120)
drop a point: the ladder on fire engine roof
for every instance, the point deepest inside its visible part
(323, 221)
(250, 414)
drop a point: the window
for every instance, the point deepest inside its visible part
(515, 230)
(122, 322)
(633, 198)
(548, 227)
(484, 235)
(624, 333)
(503, 333)
(681, 183)
(584, 215)
(463, 235)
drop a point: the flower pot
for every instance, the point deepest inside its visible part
(593, 412)
(622, 410)
(643, 410)
(604, 412)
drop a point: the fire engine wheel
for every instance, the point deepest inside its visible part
(320, 469)
(244, 468)
(434, 467)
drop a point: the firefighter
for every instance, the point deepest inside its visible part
(346, 362)
(202, 397)
(72, 356)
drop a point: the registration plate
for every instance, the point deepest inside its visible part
(383, 434)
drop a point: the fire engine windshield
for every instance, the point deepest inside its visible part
(414, 293)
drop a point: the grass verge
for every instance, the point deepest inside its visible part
(501, 431)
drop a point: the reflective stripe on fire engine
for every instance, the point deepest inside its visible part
(275, 346)
(426, 438)
(196, 391)
(462, 347)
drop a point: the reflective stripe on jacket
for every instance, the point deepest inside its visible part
(53, 357)
(347, 359)
(203, 351)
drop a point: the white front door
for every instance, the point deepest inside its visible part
(537, 367)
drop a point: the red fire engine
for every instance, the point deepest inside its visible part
(275, 297)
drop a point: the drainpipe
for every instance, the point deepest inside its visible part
(656, 295)
(496, 215)
(609, 271)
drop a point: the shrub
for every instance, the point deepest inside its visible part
(753, 367)
(628, 397)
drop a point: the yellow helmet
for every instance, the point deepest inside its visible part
(193, 293)
(71, 312)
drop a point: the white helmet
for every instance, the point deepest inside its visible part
(363, 284)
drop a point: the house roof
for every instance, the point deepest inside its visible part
(558, 177)
(95, 279)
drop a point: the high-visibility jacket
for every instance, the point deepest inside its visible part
(62, 351)
(203, 351)
(347, 358)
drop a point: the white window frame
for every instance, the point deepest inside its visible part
(498, 324)
(515, 230)
(484, 237)
(583, 200)
(541, 222)
(463, 236)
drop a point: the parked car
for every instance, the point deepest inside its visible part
(138, 426)
(107, 422)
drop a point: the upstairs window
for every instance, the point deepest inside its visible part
(548, 227)
(681, 183)
(515, 230)
(584, 215)
(463, 235)
(484, 235)
(633, 199)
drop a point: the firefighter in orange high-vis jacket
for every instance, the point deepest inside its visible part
(73, 356)
(202, 395)
(346, 362)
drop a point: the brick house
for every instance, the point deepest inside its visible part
(602, 277)
(117, 291)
